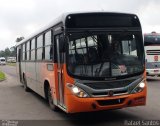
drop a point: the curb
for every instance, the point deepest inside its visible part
(3, 80)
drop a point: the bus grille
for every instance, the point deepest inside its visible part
(111, 102)
(106, 93)
(109, 85)
(153, 52)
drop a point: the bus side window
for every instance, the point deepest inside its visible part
(33, 49)
(40, 47)
(48, 46)
(28, 50)
(23, 51)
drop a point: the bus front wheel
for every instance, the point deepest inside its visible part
(51, 101)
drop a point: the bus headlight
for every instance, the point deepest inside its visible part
(139, 87)
(77, 91)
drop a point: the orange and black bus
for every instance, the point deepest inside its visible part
(86, 62)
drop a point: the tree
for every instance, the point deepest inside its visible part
(19, 39)
(7, 52)
(2, 53)
(13, 51)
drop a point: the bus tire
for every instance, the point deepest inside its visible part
(51, 101)
(25, 84)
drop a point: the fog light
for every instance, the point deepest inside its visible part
(140, 99)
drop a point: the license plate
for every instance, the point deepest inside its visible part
(156, 71)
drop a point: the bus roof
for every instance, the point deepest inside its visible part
(151, 39)
(62, 19)
(152, 33)
(2, 57)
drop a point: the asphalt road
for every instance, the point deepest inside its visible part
(30, 108)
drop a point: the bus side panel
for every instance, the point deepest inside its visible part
(31, 75)
(49, 75)
(55, 92)
(39, 77)
(43, 73)
(23, 69)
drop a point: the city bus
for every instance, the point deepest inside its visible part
(152, 51)
(2, 61)
(11, 59)
(87, 61)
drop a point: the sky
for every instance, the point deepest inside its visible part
(24, 17)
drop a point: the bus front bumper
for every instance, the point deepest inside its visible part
(75, 104)
(153, 72)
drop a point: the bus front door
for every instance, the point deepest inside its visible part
(60, 61)
(19, 60)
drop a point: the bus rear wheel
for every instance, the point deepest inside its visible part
(25, 84)
(51, 101)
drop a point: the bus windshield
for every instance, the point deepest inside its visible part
(105, 54)
(151, 40)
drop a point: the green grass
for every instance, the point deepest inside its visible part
(2, 76)
(11, 64)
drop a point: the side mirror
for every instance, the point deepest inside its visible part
(128, 37)
(62, 44)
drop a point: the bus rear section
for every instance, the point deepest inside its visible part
(152, 51)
